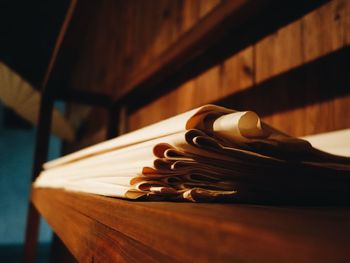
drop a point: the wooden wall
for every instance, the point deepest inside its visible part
(113, 39)
(122, 37)
(296, 78)
(302, 67)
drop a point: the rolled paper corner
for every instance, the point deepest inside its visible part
(239, 126)
(250, 125)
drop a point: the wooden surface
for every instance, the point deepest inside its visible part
(229, 28)
(155, 46)
(296, 78)
(100, 229)
(155, 52)
(103, 54)
(107, 39)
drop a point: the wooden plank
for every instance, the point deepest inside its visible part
(318, 35)
(100, 227)
(312, 98)
(323, 33)
(323, 30)
(277, 54)
(238, 72)
(189, 94)
(207, 85)
(234, 75)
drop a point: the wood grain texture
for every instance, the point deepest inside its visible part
(314, 36)
(121, 38)
(209, 30)
(227, 29)
(306, 92)
(278, 52)
(130, 44)
(89, 240)
(100, 228)
(111, 39)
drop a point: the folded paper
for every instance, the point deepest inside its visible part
(209, 153)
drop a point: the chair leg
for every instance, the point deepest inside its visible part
(40, 156)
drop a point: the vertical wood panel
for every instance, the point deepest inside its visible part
(126, 36)
(275, 55)
(203, 89)
(323, 33)
(279, 52)
(234, 74)
(208, 86)
(323, 30)
(315, 35)
(238, 72)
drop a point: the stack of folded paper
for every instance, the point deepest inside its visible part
(210, 153)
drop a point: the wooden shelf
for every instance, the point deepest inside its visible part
(101, 229)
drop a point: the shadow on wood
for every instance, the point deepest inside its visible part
(320, 80)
